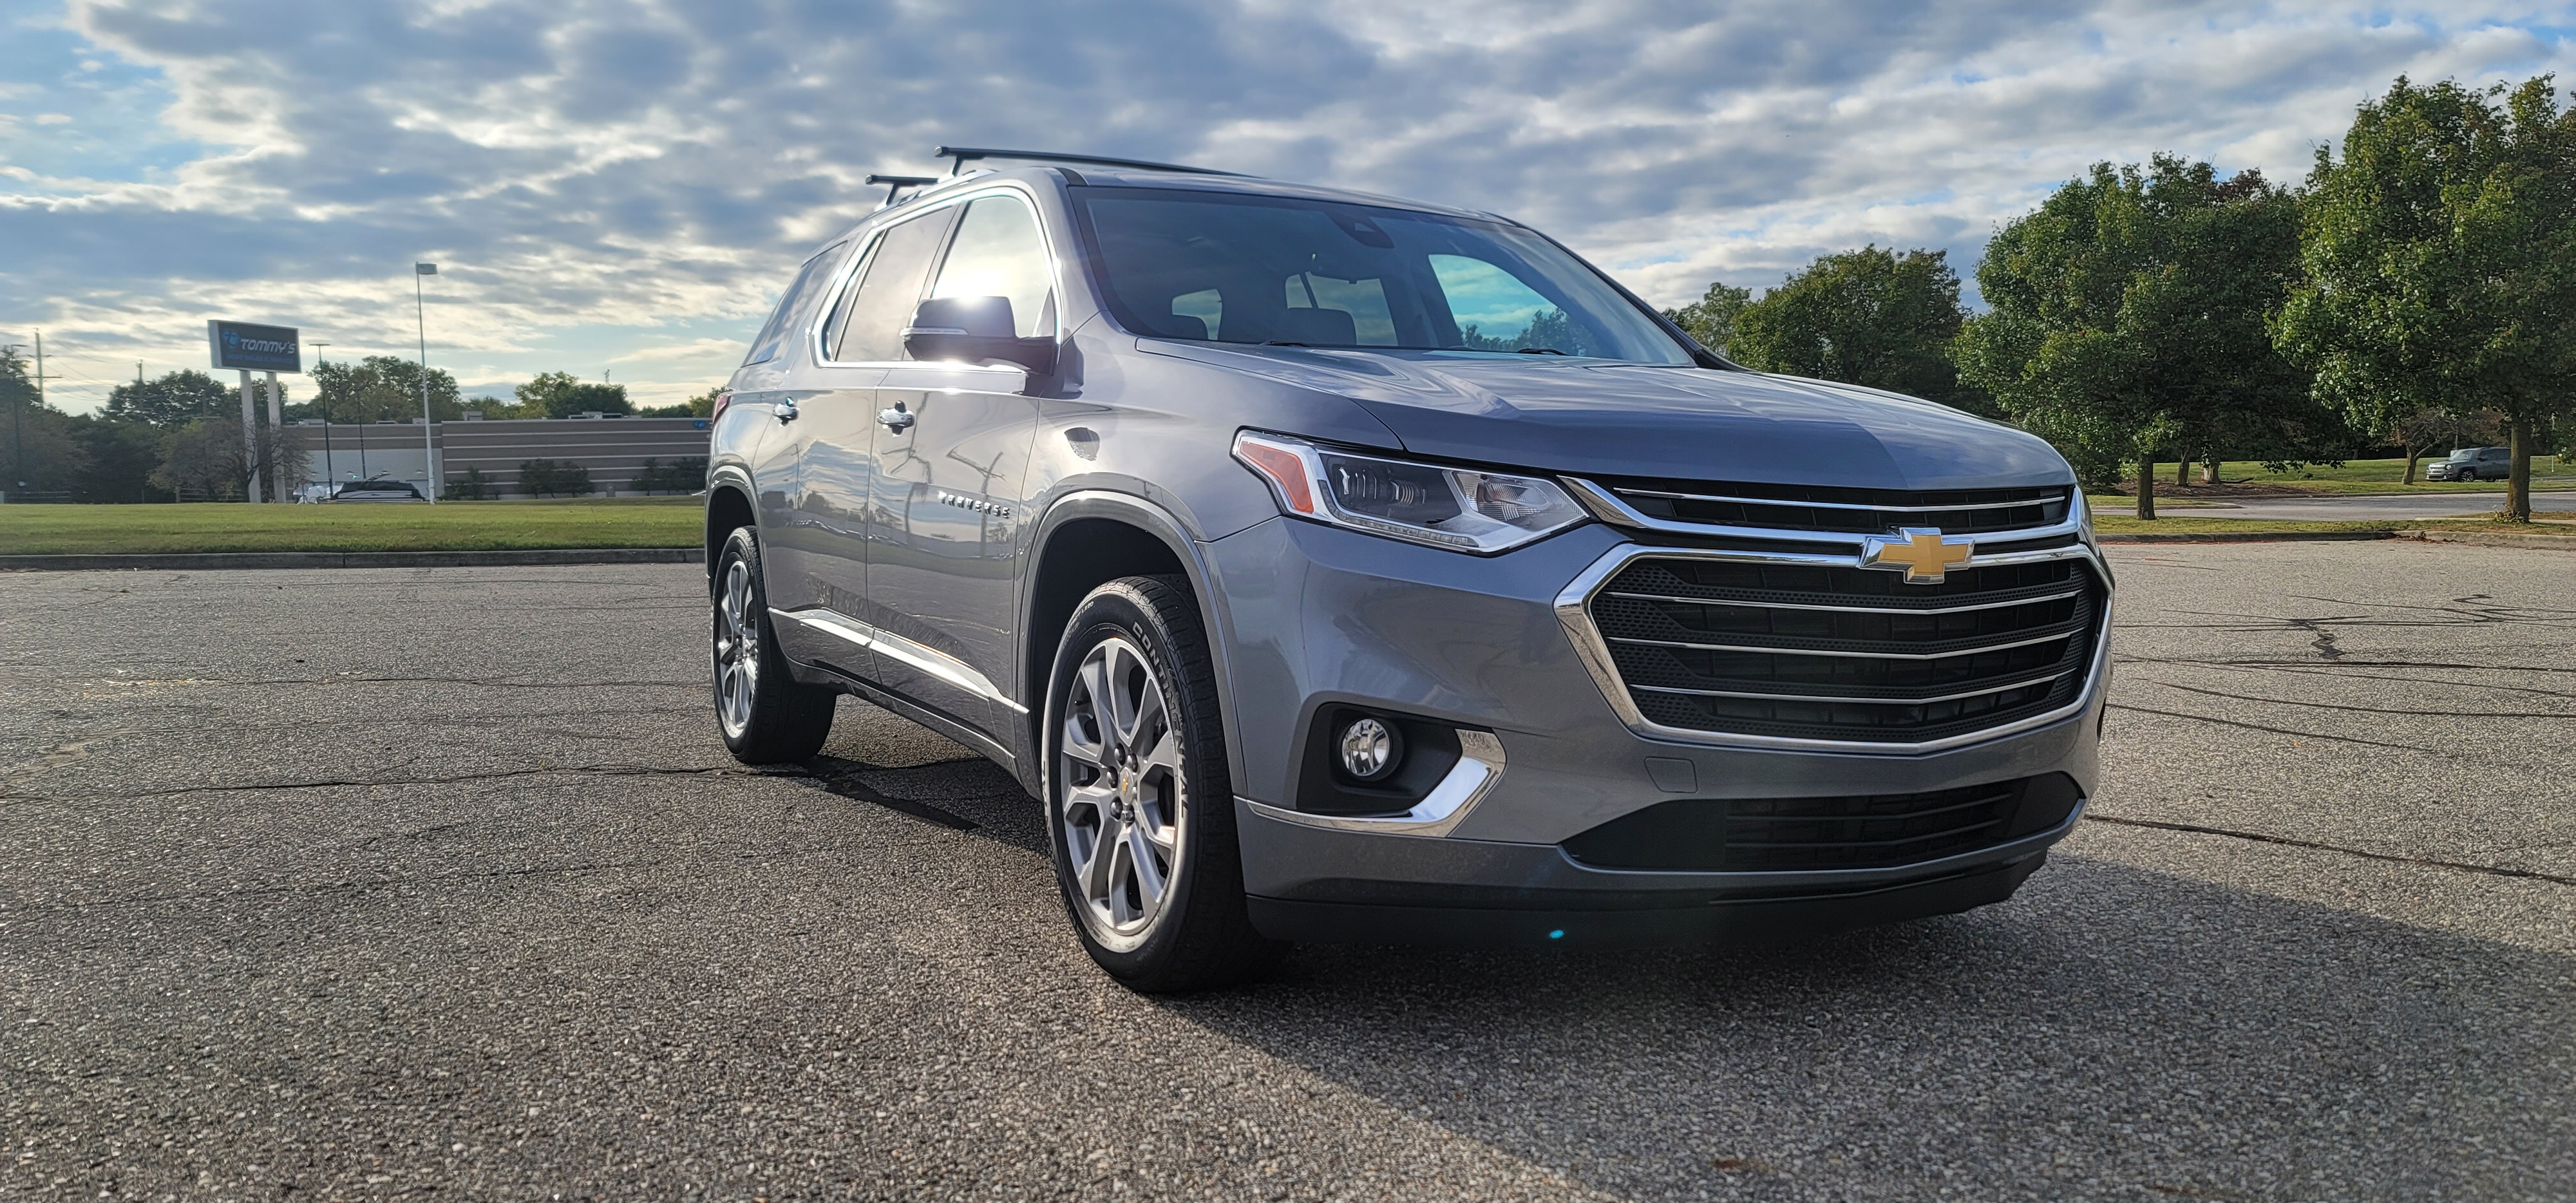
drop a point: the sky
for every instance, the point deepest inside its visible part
(619, 188)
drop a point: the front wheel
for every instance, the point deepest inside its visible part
(764, 713)
(1140, 812)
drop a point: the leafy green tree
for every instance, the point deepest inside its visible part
(554, 478)
(176, 399)
(2129, 315)
(379, 388)
(53, 454)
(563, 395)
(2441, 264)
(1711, 318)
(119, 458)
(701, 406)
(1869, 317)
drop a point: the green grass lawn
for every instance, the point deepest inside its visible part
(2370, 476)
(2122, 524)
(351, 526)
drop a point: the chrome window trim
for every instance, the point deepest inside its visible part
(1610, 508)
(1574, 613)
(930, 660)
(1479, 769)
(1837, 505)
(1755, 605)
(848, 274)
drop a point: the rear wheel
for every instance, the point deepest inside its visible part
(764, 713)
(1140, 813)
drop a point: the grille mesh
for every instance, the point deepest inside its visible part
(1846, 653)
(1850, 832)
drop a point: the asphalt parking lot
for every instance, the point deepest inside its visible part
(375, 882)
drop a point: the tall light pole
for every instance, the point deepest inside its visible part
(18, 433)
(428, 430)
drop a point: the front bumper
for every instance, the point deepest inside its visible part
(1318, 616)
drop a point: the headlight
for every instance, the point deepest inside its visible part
(2083, 516)
(1458, 508)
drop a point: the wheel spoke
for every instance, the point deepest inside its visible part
(1165, 754)
(1146, 866)
(1100, 874)
(1080, 743)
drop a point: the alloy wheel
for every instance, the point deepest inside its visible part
(737, 649)
(1124, 800)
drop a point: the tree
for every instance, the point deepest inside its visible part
(39, 451)
(379, 388)
(205, 457)
(1711, 318)
(2440, 257)
(701, 406)
(563, 395)
(2129, 315)
(1868, 317)
(176, 399)
(119, 458)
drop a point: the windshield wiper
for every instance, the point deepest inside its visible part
(1536, 351)
(1281, 342)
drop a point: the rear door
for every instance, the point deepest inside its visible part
(950, 468)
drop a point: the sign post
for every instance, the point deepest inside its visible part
(428, 426)
(247, 348)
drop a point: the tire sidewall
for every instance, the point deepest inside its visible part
(1117, 610)
(743, 547)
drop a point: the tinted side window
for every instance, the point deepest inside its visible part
(764, 346)
(873, 319)
(998, 253)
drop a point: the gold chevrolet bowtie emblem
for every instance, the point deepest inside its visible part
(1925, 556)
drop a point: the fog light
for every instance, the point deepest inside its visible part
(1370, 749)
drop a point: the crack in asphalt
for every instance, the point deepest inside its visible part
(2323, 670)
(2286, 841)
(2349, 739)
(378, 883)
(2412, 710)
(600, 770)
(2311, 664)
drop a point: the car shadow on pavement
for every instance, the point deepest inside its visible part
(2109, 1031)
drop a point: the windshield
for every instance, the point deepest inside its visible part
(1255, 269)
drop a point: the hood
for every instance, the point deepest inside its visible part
(1598, 418)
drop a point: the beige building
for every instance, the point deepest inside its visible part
(613, 450)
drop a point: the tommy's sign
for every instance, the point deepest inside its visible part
(255, 348)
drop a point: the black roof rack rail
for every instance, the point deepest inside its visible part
(963, 154)
(895, 184)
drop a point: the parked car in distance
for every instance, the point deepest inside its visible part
(377, 490)
(1332, 567)
(2473, 463)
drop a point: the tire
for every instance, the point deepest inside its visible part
(1140, 811)
(765, 715)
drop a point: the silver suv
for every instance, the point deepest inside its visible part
(1342, 568)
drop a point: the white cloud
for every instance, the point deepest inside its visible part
(628, 181)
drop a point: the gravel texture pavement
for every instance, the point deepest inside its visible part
(436, 882)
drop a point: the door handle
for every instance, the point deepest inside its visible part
(897, 419)
(785, 409)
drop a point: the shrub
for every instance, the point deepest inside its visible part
(554, 478)
(686, 474)
(473, 486)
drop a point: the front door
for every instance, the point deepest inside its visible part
(952, 452)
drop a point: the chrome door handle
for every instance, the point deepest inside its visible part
(897, 419)
(785, 409)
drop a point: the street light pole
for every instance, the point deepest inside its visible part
(428, 428)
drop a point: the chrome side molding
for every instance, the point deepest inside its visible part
(936, 663)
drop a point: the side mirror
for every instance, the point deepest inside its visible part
(975, 330)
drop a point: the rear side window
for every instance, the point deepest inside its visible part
(764, 347)
(870, 327)
(998, 253)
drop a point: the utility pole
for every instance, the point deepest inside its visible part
(428, 428)
(18, 433)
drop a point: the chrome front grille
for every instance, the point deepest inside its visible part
(1776, 634)
(1851, 511)
(1805, 651)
